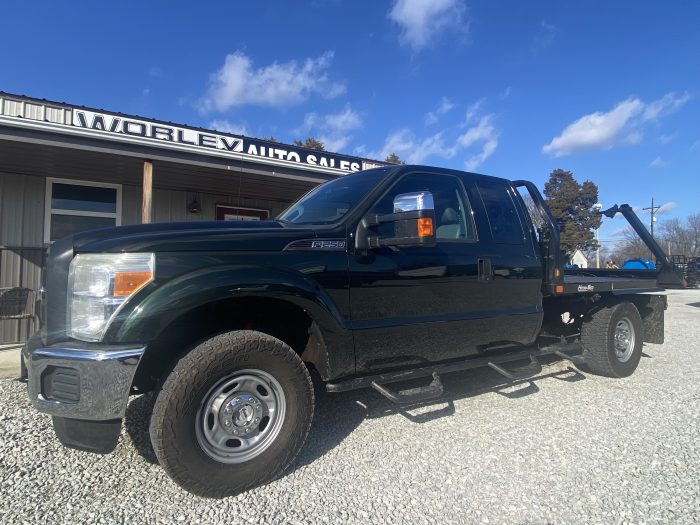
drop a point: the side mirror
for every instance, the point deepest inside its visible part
(414, 223)
(417, 201)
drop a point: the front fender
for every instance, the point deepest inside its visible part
(145, 318)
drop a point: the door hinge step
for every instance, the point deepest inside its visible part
(412, 395)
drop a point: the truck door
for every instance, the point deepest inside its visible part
(507, 241)
(417, 304)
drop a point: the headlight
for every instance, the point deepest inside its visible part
(99, 284)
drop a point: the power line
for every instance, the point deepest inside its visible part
(653, 209)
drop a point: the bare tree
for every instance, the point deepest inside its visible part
(630, 247)
(683, 238)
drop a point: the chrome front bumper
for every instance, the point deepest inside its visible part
(80, 380)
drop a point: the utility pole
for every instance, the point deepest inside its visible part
(653, 209)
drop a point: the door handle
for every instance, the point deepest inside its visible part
(485, 270)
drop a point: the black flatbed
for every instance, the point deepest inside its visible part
(617, 282)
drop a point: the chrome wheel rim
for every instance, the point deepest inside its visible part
(240, 416)
(624, 340)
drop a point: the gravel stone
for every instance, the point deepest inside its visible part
(565, 447)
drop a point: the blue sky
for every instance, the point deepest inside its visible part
(609, 90)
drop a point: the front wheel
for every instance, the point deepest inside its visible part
(612, 340)
(232, 414)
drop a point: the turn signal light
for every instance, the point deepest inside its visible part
(559, 289)
(425, 227)
(126, 283)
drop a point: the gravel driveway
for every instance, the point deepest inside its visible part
(564, 448)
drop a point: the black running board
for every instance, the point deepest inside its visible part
(382, 379)
(519, 373)
(412, 395)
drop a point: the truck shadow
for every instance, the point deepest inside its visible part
(338, 415)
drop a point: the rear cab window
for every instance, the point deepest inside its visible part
(501, 212)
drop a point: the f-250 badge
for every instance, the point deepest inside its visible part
(329, 244)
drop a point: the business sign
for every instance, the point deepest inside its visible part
(203, 141)
(236, 213)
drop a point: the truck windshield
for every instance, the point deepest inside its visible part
(330, 201)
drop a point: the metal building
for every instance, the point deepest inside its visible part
(67, 168)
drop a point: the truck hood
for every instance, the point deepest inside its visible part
(192, 236)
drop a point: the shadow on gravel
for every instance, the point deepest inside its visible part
(338, 415)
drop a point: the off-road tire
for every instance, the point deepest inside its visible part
(598, 340)
(174, 418)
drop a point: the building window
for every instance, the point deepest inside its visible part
(75, 206)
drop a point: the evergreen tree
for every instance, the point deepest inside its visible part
(394, 159)
(310, 143)
(572, 204)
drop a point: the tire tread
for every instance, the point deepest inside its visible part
(178, 391)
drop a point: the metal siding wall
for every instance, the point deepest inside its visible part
(33, 111)
(12, 108)
(21, 240)
(22, 226)
(131, 205)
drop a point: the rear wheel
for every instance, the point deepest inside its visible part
(612, 340)
(233, 414)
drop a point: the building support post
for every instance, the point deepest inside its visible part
(147, 199)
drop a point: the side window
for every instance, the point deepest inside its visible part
(453, 215)
(500, 209)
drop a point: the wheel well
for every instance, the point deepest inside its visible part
(580, 308)
(281, 319)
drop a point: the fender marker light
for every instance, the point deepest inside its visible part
(126, 283)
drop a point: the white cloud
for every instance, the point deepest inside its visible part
(544, 36)
(446, 105)
(665, 208)
(658, 162)
(486, 134)
(228, 127)
(621, 125)
(334, 128)
(346, 120)
(416, 150)
(473, 112)
(665, 106)
(422, 20)
(238, 83)
(666, 139)
(480, 140)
